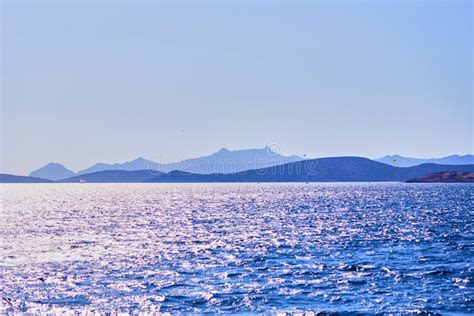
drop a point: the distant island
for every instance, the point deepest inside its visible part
(259, 165)
(225, 161)
(445, 177)
(400, 161)
(331, 169)
(222, 161)
(9, 178)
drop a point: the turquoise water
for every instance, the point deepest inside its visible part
(384, 247)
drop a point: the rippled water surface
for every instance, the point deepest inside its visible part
(237, 247)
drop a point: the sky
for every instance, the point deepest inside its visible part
(109, 81)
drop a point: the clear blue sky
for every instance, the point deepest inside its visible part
(109, 81)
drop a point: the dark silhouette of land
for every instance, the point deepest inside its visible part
(227, 161)
(333, 169)
(111, 176)
(9, 178)
(444, 177)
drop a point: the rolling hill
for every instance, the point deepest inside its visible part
(400, 161)
(112, 176)
(343, 169)
(332, 169)
(10, 178)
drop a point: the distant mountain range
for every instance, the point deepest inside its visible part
(222, 161)
(400, 161)
(335, 169)
(340, 169)
(226, 161)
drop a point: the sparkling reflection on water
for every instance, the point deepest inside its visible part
(237, 247)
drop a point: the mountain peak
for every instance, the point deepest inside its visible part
(391, 156)
(139, 159)
(52, 171)
(53, 165)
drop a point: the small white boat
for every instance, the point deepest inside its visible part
(82, 180)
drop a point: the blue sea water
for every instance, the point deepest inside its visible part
(248, 248)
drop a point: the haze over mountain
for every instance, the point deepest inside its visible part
(343, 169)
(227, 161)
(222, 161)
(52, 171)
(400, 161)
(333, 169)
(136, 164)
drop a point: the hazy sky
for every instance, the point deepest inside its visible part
(109, 81)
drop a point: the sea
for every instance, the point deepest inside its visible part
(270, 248)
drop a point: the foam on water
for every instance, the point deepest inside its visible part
(381, 247)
